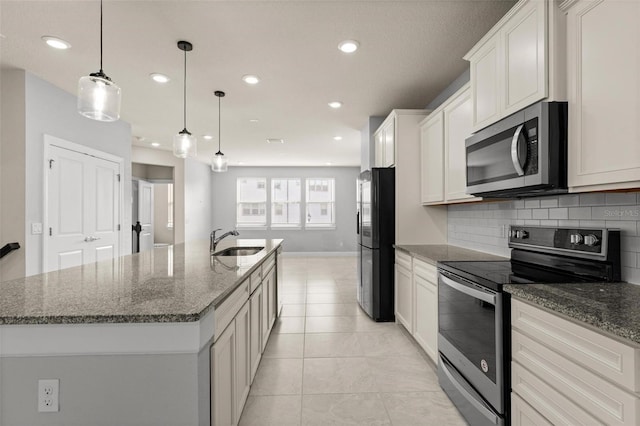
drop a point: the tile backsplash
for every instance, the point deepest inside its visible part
(483, 226)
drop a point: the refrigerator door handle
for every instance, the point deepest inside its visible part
(358, 223)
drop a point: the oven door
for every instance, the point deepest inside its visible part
(504, 156)
(470, 335)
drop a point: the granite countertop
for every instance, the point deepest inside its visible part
(177, 283)
(610, 307)
(434, 253)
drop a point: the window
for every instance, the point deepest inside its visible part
(170, 205)
(251, 202)
(320, 203)
(285, 202)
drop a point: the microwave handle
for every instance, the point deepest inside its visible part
(514, 150)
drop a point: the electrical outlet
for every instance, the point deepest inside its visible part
(36, 228)
(48, 395)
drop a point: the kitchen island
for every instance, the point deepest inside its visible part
(129, 338)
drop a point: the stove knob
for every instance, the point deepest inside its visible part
(524, 235)
(518, 234)
(591, 240)
(576, 238)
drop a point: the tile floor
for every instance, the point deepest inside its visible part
(327, 363)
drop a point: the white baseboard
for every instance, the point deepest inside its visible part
(319, 253)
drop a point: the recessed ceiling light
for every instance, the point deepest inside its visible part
(241, 162)
(251, 79)
(335, 104)
(328, 163)
(348, 46)
(253, 120)
(155, 144)
(159, 78)
(208, 137)
(337, 138)
(275, 140)
(56, 43)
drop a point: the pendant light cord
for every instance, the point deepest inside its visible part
(219, 123)
(101, 72)
(185, 90)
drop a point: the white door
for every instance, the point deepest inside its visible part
(83, 209)
(145, 214)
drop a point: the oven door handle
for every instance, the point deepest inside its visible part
(487, 297)
(490, 415)
(515, 143)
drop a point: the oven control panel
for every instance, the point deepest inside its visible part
(578, 240)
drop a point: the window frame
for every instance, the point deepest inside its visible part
(318, 184)
(261, 185)
(279, 180)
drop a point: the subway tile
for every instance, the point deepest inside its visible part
(549, 223)
(621, 198)
(631, 275)
(616, 213)
(531, 204)
(568, 200)
(532, 222)
(629, 258)
(569, 223)
(559, 213)
(524, 214)
(540, 214)
(504, 205)
(626, 228)
(592, 199)
(518, 204)
(549, 202)
(518, 222)
(580, 213)
(630, 244)
(592, 223)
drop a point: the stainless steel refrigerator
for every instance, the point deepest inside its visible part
(376, 236)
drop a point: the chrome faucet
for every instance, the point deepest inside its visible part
(213, 241)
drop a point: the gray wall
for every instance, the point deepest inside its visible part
(340, 239)
(197, 200)
(50, 110)
(367, 144)
(482, 226)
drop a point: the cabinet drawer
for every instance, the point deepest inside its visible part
(256, 279)
(618, 362)
(268, 264)
(425, 270)
(224, 314)
(522, 414)
(551, 404)
(607, 402)
(403, 259)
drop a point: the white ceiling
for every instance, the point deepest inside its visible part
(409, 52)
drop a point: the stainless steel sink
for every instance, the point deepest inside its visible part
(238, 251)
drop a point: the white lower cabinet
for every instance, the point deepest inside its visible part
(404, 290)
(223, 380)
(243, 358)
(426, 307)
(568, 374)
(265, 317)
(255, 332)
(524, 415)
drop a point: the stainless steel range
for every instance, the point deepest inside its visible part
(473, 311)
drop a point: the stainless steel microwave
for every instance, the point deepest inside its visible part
(524, 154)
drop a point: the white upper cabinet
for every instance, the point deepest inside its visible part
(603, 67)
(518, 62)
(385, 146)
(443, 154)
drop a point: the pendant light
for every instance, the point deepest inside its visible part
(98, 96)
(219, 163)
(184, 144)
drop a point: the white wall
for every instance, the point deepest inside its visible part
(198, 199)
(49, 110)
(340, 239)
(161, 234)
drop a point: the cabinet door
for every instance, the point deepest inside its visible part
(379, 148)
(457, 128)
(522, 414)
(389, 144)
(525, 58)
(265, 312)
(432, 159)
(243, 367)
(255, 332)
(403, 296)
(426, 327)
(485, 84)
(603, 90)
(223, 380)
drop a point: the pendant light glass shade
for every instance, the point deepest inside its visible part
(184, 143)
(219, 163)
(98, 96)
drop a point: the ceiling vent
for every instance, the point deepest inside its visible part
(275, 141)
